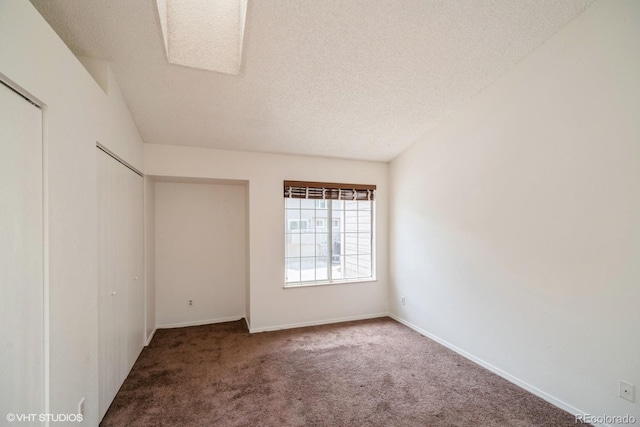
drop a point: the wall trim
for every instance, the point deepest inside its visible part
(522, 384)
(199, 322)
(150, 337)
(318, 322)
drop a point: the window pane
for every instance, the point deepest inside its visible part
(351, 205)
(350, 267)
(336, 259)
(337, 219)
(337, 268)
(336, 244)
(364, 266)
(350, 244)
(292, 203)
(292, 213)
(307, 203)
(364, 243)
(321, 223)
(307, 269)
(364, 205)
(292, 273)
(337, 205)
(322, 244)
(350, 221)
(292, 238)
(321, 268)
(364, 220)
(308, 238)
(307, 215)
(308, 244)
(292, 246)
(292, 220)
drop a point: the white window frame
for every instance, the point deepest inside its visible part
(328, 208)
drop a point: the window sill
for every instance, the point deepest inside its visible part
(327, 283)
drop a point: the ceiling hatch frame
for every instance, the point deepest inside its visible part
(204, 34)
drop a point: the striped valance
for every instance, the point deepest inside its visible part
(328, 191)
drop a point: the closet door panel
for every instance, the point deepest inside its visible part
(121, 291)
(108, 278)
(121, 298)
(21, 257)
(136, 243)
(133, 308)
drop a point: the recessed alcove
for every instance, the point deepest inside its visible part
(201, 253)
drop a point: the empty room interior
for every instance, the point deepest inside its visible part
(265, 212)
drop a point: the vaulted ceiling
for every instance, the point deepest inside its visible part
(356, 79)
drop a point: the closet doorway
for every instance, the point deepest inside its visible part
(200, 251)
(121, 310)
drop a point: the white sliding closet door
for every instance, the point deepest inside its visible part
(21, 258)
(120, 274)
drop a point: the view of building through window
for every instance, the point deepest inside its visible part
(328, 240)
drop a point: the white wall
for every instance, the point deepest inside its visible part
(150, 256)
(271, 306)
(515, 232)
(200, 253)
(119, 132)
(77, 113)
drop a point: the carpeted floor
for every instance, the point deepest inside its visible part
(366, 373)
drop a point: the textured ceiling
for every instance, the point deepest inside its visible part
(204, 34)
(340, 78)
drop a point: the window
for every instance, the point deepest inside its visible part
(295, 224)
(323, 254)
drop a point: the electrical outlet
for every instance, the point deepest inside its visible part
(190, 303)
(81, 407)
(403, 300)
(626, 391)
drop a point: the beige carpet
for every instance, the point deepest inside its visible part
(367, 373)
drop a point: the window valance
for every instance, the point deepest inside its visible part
(328, 191)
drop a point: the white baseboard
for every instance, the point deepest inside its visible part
(317, 322)
(199, 322)
(522, 384)
(151, 337)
